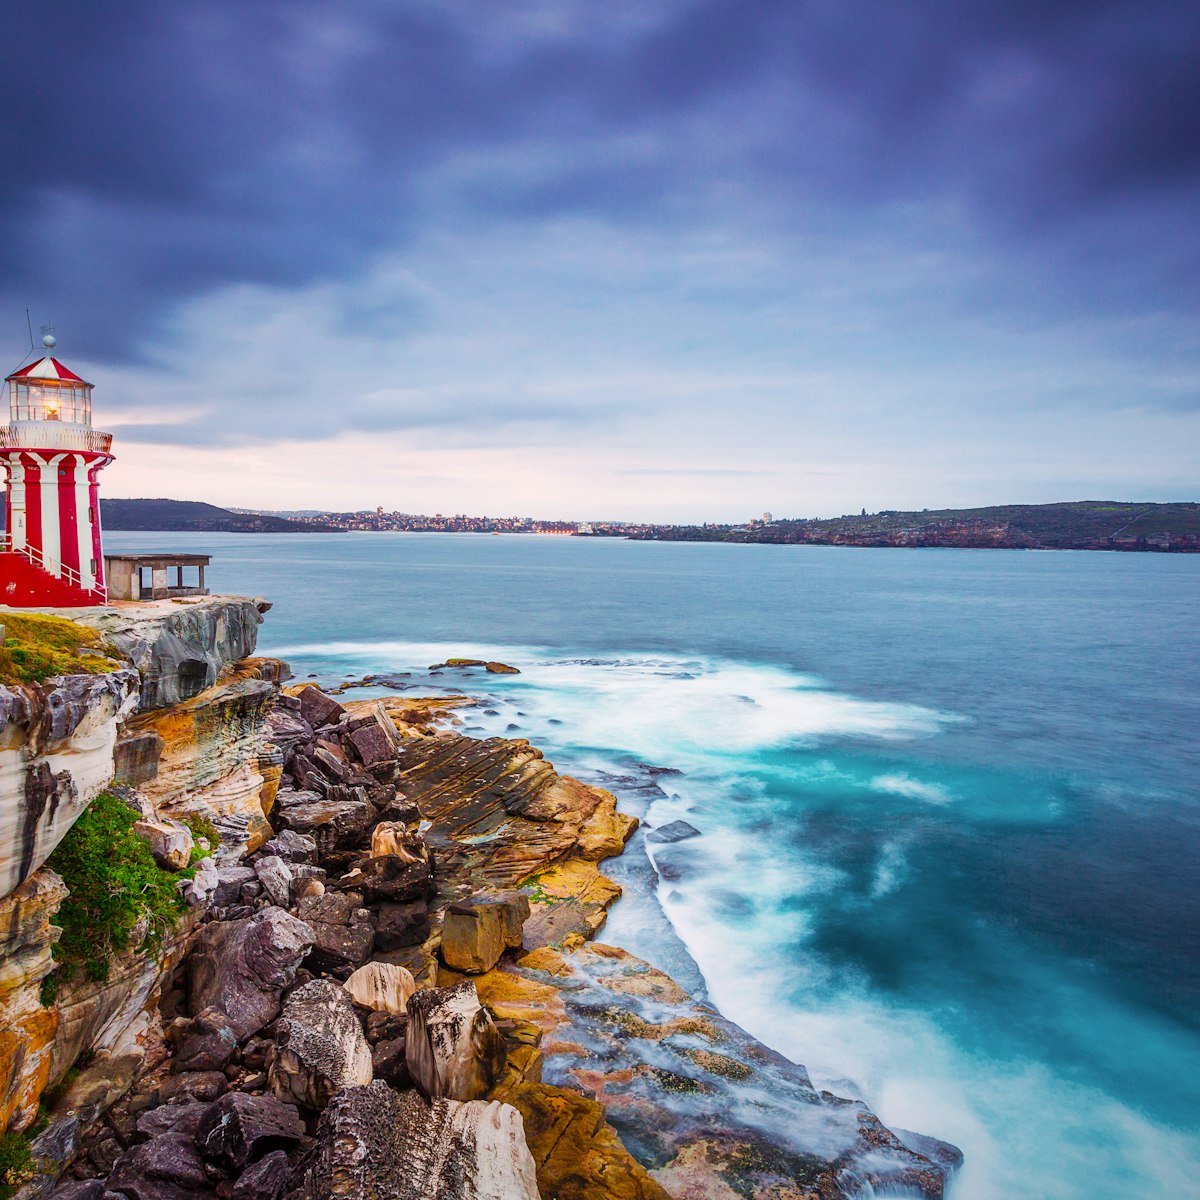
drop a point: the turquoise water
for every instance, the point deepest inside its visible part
(948, 801)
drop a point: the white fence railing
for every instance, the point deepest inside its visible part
(57, 569)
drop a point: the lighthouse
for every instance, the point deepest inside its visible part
(52, 555)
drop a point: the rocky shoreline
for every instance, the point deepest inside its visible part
(389, 984)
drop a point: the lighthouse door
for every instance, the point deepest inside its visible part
(16, 516)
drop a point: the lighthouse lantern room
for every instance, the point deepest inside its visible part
(51, 554)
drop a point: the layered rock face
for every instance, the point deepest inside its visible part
(56, 754)
(179, 649)
(27, 1032)
(60, 743)
(210, 760)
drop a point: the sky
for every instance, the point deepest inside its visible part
(665, 260)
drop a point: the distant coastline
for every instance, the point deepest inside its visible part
(1079, 525)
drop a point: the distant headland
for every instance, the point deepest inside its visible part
(194, 515)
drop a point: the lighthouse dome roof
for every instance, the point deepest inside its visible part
(48, 368)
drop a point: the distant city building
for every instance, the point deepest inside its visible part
(767, 518)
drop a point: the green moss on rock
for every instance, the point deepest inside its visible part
(38, 646)
(115, 886)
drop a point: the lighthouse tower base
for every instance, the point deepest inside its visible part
(23, 584)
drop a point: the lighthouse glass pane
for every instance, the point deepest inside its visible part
(46, 402)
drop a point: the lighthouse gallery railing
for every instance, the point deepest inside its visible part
(45, 435)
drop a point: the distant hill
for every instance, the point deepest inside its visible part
(195, 515)
(1080, 525)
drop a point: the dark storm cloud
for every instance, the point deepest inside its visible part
(157, 151)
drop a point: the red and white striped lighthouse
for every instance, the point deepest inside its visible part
(52, 555)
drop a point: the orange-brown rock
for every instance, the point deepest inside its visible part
(210, 760)
(27, 1028)
(501, 817)
(577, 1154)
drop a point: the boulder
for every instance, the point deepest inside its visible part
(398, 809)
(202, 885)
(338, 949)
(287, 729)
(182, 1117)
(381, 987)
(207, 1042)
(390, 877)
(318, 709)
(477, 931)
(372, 1144)
(239, 1129)
(267, 1179)
(675, 831)
(453, 1049)
(171, 842)
(230, 878)
(319, 1046)
(241, 967)
(393, 838)
(399, 925)
(192, 1085)
(372, 744)
(332, 908)
(343, 931)
(330, 759)
(499, 668)
(292, 847)
(79, 1189)
(333, 824)
(275, 875)
(164, 1168)
(306, 887)
(388, 1062)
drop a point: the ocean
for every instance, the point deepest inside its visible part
(947, 802)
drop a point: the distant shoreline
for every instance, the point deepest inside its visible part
(1076, 525)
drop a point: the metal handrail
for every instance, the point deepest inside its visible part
(58, 570)
(47, 435)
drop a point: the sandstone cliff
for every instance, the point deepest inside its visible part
(61, 743)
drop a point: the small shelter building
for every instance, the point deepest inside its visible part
(155, 576)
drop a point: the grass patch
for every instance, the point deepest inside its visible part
(16, 1163)
(114, 883)
(38, 647)
(201, 827)
(48, 989)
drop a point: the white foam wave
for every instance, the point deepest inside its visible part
(667, 709)
(912, 789)
(1016, 1120)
